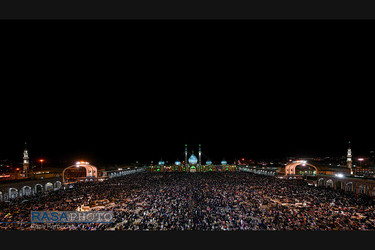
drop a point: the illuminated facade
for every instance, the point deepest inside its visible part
(192, 164)
(81, 171)
(193, 160)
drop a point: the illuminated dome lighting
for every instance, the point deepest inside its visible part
(193, 159)
(223, 162)
(177, 163)
(161, 163)
(208, 162)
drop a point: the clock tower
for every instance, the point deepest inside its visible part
(349, 161)
(25, 161)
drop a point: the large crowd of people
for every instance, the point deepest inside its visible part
(209, 201)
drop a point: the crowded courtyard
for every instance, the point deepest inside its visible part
(207, 201)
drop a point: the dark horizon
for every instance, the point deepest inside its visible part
(171, 152)
(125, 123)
(114, 129)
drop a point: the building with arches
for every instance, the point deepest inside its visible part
(29, 188)
(192, 164)
(347, 183)
(80, 171)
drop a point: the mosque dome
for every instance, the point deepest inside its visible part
(193, 159)
(223, 162)
(208, 162)
(161, 162)
(177, 163)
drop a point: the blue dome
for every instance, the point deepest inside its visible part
(223, 162)
(193, 159)
(161, 163)
(208, 162)
(177, 163)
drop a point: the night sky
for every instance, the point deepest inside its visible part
(98, 104)
(117, 124)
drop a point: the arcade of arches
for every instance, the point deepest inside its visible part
(359, 186)
(29, 190)
(348, 184)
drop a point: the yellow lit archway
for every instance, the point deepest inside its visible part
(290, 169)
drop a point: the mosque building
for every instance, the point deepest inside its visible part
(192, 163)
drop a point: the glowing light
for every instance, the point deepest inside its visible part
(339, 175)
(360, 159)
(82, 162)
(193, 159)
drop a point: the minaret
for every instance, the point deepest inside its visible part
(200, 155)
(186, 155)
(349, 159)
(25, 160)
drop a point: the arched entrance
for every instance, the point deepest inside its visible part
(26, 191)
(38, 188)
(82, 170)
(57, 185)
(193, 169)
(48, 187)
(321, 182)
(13, 193)
(329, 183)
(303, 166)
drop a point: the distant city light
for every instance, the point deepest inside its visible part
(339, 175)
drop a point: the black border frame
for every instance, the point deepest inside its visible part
(187, 9)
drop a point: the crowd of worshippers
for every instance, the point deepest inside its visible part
(209, 201)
